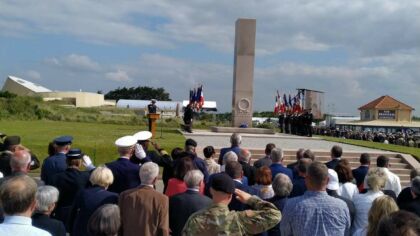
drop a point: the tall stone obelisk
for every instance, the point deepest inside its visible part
(243, 72)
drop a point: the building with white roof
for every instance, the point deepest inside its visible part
(23, 87)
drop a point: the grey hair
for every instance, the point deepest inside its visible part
(276, 155)
(282, 185)
(106, 220)
(415, 186)
(236, 139)
(149, 172)
(193, 178)
(45, 197)
(244, 155)
(229, 156)
(20, 159)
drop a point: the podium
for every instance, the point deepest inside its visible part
(152, 122)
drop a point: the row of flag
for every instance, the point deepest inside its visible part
(197, 98)
(288, 104)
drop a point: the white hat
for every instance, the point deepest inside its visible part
(142, 135)
(333, 180)
(126, 141)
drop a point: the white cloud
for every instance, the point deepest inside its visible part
(375, 27)
(378, 37)
(74, 62)
(119, 76)
(33, 75)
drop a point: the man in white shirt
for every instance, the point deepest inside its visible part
(393, 181)
(17, 196)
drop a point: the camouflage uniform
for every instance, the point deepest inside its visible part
(218, 220)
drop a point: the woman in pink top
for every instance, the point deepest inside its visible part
(177, 185)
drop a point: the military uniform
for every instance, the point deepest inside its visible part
(56, 163)
(53, 165)
(218, 220)
(69, 183)
(188, 116)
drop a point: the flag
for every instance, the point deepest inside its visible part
(290, 105)
(285, 101)
(201, 97)
(276, 105)
(191, 96)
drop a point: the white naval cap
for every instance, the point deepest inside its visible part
(126, 141)
(142, 135)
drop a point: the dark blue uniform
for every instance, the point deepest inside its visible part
(86, 202)
(68, 183)
(126, 175)
(53, 165)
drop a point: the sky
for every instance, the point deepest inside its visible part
(354, 51)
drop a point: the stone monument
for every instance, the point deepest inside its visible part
(243, 72)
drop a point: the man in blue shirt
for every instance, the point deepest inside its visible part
(277, 165)
(17, 196)
(57, 162)
(315, 213)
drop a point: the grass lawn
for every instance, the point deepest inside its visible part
(96, 140)
(388, 147)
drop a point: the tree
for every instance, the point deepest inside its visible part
(138, 93)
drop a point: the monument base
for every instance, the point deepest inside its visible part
(241, 130)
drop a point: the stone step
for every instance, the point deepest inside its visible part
(398, 165)
(320, 153)
(328, 158)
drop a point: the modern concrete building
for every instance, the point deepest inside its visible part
(23, 87)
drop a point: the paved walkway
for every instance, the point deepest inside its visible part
(258, 141)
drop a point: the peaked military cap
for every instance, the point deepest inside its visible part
(75, 153)
(63, 140)
(142, 135)
(126, 141)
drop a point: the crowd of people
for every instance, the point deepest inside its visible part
(219, 194)
(407, 138)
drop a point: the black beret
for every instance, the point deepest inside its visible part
(223, 183)
(74, 153)
(190, 142)
(11, 140)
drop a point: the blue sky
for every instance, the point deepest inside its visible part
(354, 51)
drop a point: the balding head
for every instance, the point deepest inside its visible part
(244, 155)
(20, 161)
(17, 195)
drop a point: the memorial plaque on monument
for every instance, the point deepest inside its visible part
(243, 73)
